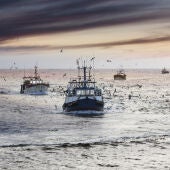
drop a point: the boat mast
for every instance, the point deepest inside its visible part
(36, 72)
(90, 73)
(24, 71)
(84, 70)
(78, 66)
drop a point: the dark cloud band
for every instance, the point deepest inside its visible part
(35, 17)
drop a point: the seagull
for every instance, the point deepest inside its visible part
(92, 58)
(77, 61)
(4, 78)
(64, 74)
(109, 61)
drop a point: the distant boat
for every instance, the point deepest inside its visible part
(4, 91)
(82, 93)
(164, 71)
(120, 75)
(34, 85)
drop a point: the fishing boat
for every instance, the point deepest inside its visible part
(164, 71)
(34, 85)
(4, 91)
(82, 94)
(120, 75)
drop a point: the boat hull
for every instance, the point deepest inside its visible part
(84, 105)
(35, 90)
(167, 72)
(118, 77)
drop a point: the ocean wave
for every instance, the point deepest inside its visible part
(87, 113)
(125, 141)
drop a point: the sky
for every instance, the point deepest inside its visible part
(130, 33)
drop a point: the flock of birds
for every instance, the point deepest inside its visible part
(109, 90)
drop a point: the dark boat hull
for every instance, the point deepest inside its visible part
(165, 72)
(119, 77)
(84, 105)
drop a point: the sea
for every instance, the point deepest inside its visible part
(133, 133)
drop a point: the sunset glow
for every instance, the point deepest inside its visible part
(127, 32)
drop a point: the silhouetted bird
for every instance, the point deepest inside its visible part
(109, 61)
(64, 74)
(92, 58)
(4, 78)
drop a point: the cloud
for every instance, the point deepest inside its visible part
(137, 41)
(21, 18)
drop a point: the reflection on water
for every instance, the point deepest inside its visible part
(133, 132)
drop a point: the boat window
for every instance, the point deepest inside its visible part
(78, 92)
(85, 92)
(91, 92)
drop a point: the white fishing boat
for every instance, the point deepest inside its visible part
(34, 85)
(4, 91)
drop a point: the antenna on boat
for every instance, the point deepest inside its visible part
(24, 71)
(36, 71)
(84, 69)
(84, 72)
(92, 60)
(90, 73)
(81, 61)
(78, 66)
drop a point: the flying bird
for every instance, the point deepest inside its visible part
(109, 61)
(3, 77)
(92, 58)
(64, 74)
(77, 61)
